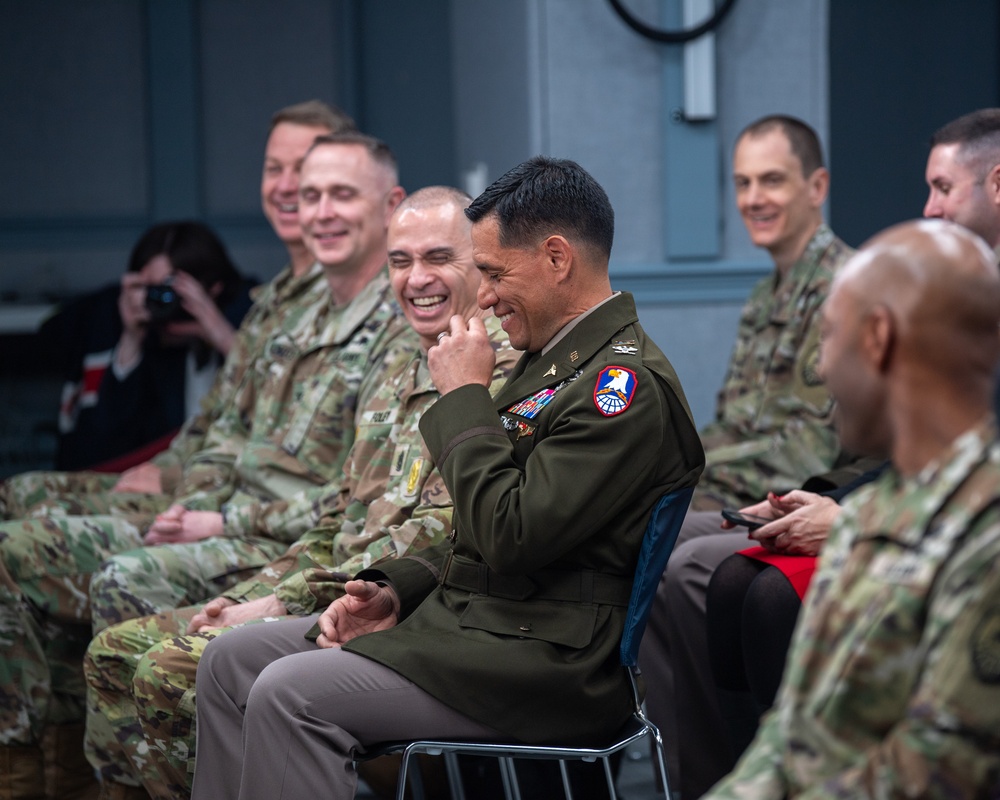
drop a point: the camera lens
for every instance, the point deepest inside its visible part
(163, 302)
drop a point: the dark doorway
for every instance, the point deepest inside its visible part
(899, 69)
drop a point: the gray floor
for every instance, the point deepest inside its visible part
(635, 781)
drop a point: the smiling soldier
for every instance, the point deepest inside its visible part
(772, 429)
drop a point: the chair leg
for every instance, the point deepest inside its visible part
(661, 764)
(415, 781)
(511, 789)
(610, 779)
(454, 771)
(564, 774)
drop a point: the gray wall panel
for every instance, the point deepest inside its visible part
(697, 339)
(73, 138)
(494, 117)
(603, 93)
(257, 56)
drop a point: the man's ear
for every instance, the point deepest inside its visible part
(992, 185)
(819, 186)
(878, 340)
(559, 254)
(392, 201)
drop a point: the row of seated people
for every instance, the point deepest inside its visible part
(725, 615)
(321, 394)
(774, 424)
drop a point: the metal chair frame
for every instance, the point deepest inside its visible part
(658, 542)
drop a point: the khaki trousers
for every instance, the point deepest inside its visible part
(280, 718)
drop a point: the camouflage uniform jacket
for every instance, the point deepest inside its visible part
(392, 498)
(274, 303)
(272, 461)
(772, 427)
(892, 686)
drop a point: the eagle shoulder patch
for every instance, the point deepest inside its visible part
(614, 390)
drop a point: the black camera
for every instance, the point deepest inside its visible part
(163, 303)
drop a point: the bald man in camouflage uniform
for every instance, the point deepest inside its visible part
(390, 502)
(300, 409)
(892, 687)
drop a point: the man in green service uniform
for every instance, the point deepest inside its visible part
(511, 629)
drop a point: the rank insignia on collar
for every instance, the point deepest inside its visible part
(614, 390)
(625, 347)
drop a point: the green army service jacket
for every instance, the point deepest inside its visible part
(552, 484)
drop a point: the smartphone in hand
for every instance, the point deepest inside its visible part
(749, 521)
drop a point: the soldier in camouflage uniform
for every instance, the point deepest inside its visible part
(390, 501)
(291, 132)
(963, 155)
(146, 488)
(319, 366)
(892, 687)
(270, 466)
(773, 425)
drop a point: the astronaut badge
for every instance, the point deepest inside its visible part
(614, 390)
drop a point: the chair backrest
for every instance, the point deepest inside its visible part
(661, 534)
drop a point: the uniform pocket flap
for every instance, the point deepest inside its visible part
(560, 623)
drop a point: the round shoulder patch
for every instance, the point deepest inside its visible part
(614, 390)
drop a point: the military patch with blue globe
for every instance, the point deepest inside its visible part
(614, 390)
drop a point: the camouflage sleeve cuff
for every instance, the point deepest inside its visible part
(248, 590)
(294, 592)
(166, 459)
(239, 520)
(170, 471)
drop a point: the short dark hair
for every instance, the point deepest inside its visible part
(379, 151)
(313, 114)
(544, 196)
(801, 138)
(977, 135)
(192, 248)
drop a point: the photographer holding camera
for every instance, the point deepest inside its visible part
(134, 376)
